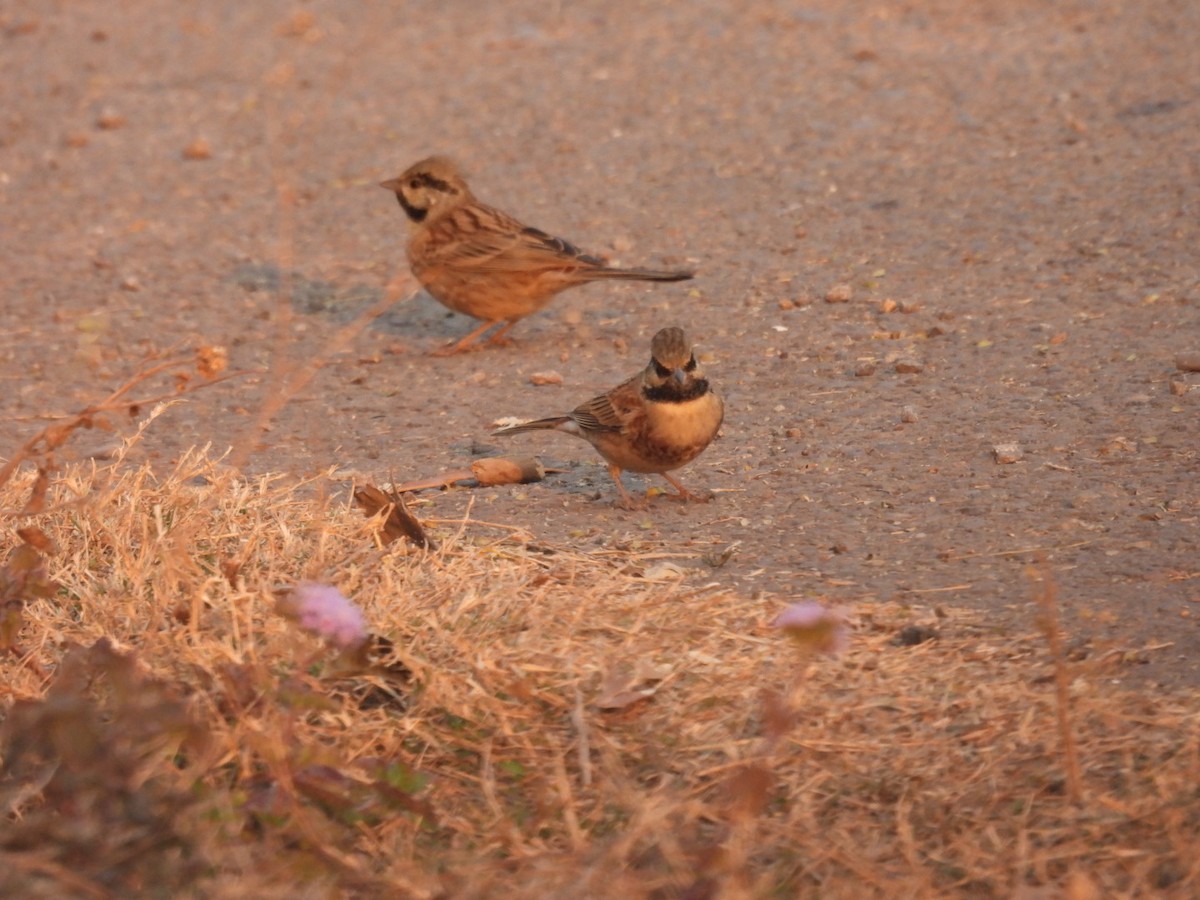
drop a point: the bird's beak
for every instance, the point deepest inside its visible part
(680, 376)
(392, 184)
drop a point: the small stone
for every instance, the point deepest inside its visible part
(77, 139)
(794, 433)
(908, 414)
(839, 293)
(198, 149)
(110, 120)
(936, 331)
(786, 304)
(864, 369)
(131, 284)
(541, 378)
(912, 635)
(908, 366)
(1188, 362)
(888, 305)
(909, 306)
(1179, 388)
(1006, 454)
(622, 243)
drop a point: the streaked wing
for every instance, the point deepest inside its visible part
(538, 241)
(611, 411)
(488, 240)
(597, 414)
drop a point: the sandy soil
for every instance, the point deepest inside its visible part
(1020, 179)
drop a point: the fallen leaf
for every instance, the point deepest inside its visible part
(398, 523)
(625, 685)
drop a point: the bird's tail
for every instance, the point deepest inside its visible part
(536, 425)
(638, 274)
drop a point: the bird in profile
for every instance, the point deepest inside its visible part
(482, 262)
(660, 419)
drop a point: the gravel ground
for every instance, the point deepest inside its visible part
(946, 253)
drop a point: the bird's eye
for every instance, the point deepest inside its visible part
(414, 183)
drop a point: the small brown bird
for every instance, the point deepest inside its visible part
(482, 262)
(658, 420)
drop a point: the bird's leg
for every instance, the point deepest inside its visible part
(626, 501)
(464, 343)
(498, 338)
(684, 494)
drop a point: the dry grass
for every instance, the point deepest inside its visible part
(168, 734)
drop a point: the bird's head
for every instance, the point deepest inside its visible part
(673, 373)
(428, 188)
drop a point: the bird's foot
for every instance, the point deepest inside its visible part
(684, 495)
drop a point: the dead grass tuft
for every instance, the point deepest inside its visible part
(533, 721)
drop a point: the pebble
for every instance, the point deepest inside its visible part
(198, 149)
(109, 120)
(864, 369)
(888, 305)
(908, 414)
(1007, 454)
(839, 293)
(545, 378)
(909, 366)
(1178, 387)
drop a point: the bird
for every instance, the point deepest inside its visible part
(658, 420)
(482, 262)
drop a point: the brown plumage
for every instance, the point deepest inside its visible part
(660, 419)
(482, 262)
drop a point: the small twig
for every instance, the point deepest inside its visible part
(55, 435)
(583, 747)
(467, 520)
(1020, 552)
(570, 816)
(1048, 600)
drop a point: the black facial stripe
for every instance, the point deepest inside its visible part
(674, 392)
(691, 365)
(663, 371)
(424, 179)
(417, 215)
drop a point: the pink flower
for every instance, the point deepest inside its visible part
(324, 611)
(814, 626)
